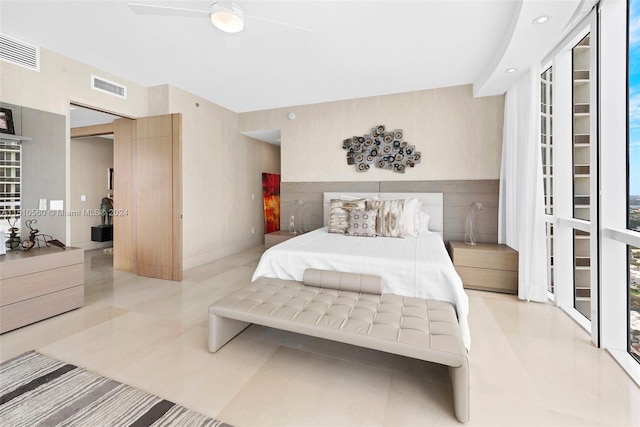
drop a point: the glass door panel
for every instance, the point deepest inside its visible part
(546, 137)
(581, 72)
(582, 272)
(546, 147)
(634, 302)
(550, 278)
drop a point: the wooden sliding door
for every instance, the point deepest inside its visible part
(124, 242)
(148, 183)
(159, 197)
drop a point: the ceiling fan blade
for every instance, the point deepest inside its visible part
(277, 22)
(154, 9)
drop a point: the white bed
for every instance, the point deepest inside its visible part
(410, 266)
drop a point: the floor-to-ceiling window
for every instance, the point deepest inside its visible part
(619, 89)
(593, 179)
(582, 58)
(569, 143)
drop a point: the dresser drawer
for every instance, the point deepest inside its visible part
(43, 282)
(22, 313)
(38, 284)
(18, 263)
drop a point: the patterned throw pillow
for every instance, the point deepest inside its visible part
(339, 213)
(362, 223)
(389, 223)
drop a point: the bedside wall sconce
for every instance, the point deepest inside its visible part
(470, 237)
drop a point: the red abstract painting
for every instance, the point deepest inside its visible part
(271, 197)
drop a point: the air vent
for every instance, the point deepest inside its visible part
(19, 53)
(103, 85)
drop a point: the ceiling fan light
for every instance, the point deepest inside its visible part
(227, 19)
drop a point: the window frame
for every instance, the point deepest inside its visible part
(615, 237)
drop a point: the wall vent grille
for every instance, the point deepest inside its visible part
(104, 85)
(19, 53)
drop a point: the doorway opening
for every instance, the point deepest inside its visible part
(91, 183)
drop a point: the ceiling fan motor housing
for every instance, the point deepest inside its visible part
(227, 16)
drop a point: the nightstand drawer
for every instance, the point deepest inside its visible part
(486, 266)
(485, 255)
(272, 239)
(488, 279)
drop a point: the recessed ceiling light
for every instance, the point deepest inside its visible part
(541, 19)
(510, 70)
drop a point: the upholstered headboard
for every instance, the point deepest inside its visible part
(432, 204)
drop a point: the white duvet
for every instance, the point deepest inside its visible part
(413, 266)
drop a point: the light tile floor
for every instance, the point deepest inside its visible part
(530, 364)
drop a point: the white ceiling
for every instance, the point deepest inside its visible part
(354, 49)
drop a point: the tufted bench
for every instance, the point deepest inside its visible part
(348, 308)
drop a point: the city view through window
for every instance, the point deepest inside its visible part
(634, 174)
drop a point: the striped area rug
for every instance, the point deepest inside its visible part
(38, 390)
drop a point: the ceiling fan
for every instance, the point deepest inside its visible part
(227, 16)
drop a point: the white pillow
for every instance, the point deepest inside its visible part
(424, 222)
(411, 218)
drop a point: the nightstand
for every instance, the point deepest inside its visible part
(486, 266)
(272, 239)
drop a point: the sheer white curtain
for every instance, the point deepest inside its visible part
(521, 209)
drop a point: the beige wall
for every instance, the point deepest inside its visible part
(460, 137)
(90, 159)
(61, 81)
(221, 168)
(221, 172)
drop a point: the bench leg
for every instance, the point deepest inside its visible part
(223, 330)
(460, 384)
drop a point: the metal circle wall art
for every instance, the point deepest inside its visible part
(384, 150)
